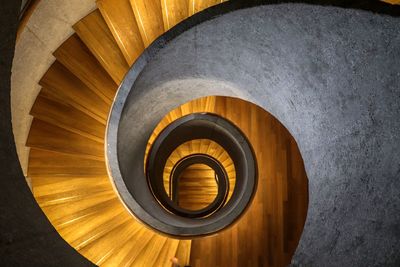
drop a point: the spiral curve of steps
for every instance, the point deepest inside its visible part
(67, 163)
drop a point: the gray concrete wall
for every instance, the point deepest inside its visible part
(332, 77)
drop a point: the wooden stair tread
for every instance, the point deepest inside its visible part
(49, 137)
(63, 86)
(174, 11)
(70, 196)
(149, 255)
(167, 253)
(98, 232)
(67, 117)
(108, 244)
(183, 252)
(78, 59)
(94, 32)
(149, 18)
(121, 21)
(47, 163)
(130, 249)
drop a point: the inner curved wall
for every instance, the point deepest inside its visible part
(330, 75)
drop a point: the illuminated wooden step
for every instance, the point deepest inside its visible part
(183, 252)
(68, 219)
(196, 6)
(121, 21)
(47, 197)
(50, 163)
(149, 255)
(49, 137)
(94, 235)
(149, 18)
(61, 85)
(67, 117)
(129, 249)
(174, 11)
(94, 32)
(167, 252)
(45, 185)
(78, 59)
(73, 207)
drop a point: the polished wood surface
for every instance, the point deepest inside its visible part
(62, 86)
(269, 231)
(120, 19)
(174, 11)
(94, 32)
(50, 137)
(199, 5)
(46, 163)
(78, 59)
(149, 18)
(197, 187)
(67, 117)
(393, 2)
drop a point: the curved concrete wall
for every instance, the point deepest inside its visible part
(332, 77)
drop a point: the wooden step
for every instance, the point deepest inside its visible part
(74, 207)
(121, 21)
(196, 6)
(174, 11)
(45, 163)
(149, 255)
(66, 220)
(45, 185)
(129, 252)
(102, 251)
(78, 59)
(94, 32)
(76, 194)
(62, 86)
(52, 164)
(183, 252)
(167, 253)
(67, 117)
(98, 232)
(149, 18)
(49, 137)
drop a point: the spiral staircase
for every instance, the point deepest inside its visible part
(67, 163)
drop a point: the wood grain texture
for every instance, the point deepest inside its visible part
(49, 137)
(121, 21)
(67, 117)
(60, 85)
(183, 252)
(149, 18)
(78, 59)
(278, 211)
(197, 187)
(52, 164)
(174, 11)
(94, 32)
(196, 6)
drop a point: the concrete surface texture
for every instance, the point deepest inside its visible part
(332, 77)
(50, 25)
(26, 236)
